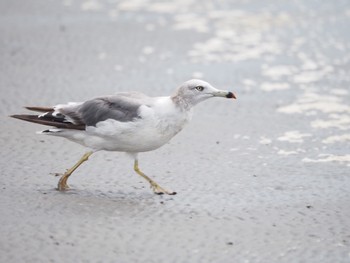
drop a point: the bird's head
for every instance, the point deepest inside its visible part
(194, 91)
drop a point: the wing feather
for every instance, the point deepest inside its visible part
(123, 107)
(117, 107)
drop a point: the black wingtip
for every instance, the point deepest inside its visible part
(55, 122)
(16, 116)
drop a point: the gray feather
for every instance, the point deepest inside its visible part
(121, 107)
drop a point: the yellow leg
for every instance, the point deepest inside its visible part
(155, 187)
(62, 183)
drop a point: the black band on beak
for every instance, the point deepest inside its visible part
(230, 95)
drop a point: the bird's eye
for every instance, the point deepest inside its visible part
(199, 88)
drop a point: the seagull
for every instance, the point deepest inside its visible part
(129, 122)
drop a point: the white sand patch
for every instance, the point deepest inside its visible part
(197, 75)
(211, 45)
(113, 14)
(148, 50)
(340, 121)
(276, 72)
(298, 42)
(310, 101)
(337, 138)
(234, 149)
(164, 7)
(238, 36)
(237, 136)
(307, 62)
(191, 21)
(228, 14)
(249, 82)
(293, 137)
(308, 77)
(102, 55)
(339, 92)
(265, 140)
(131, 5)
(150, 27)
(268, 86)
(251, 149)
(91, 5)
(142, 59)
(329, 158)
(118, 67)
(309, 65)
(170, 71)
(283, 152)
(311, 74)
(67, 2)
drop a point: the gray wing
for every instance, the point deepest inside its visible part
(121, 107)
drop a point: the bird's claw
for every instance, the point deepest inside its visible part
(158, 190)
(62, 184)
(168, 193)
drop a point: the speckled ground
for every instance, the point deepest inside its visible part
(265, 178)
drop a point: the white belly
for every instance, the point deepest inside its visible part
(145, 134)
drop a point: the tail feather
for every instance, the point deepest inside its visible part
(40, 109)
(49, 122)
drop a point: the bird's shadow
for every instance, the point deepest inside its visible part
(104, 202)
